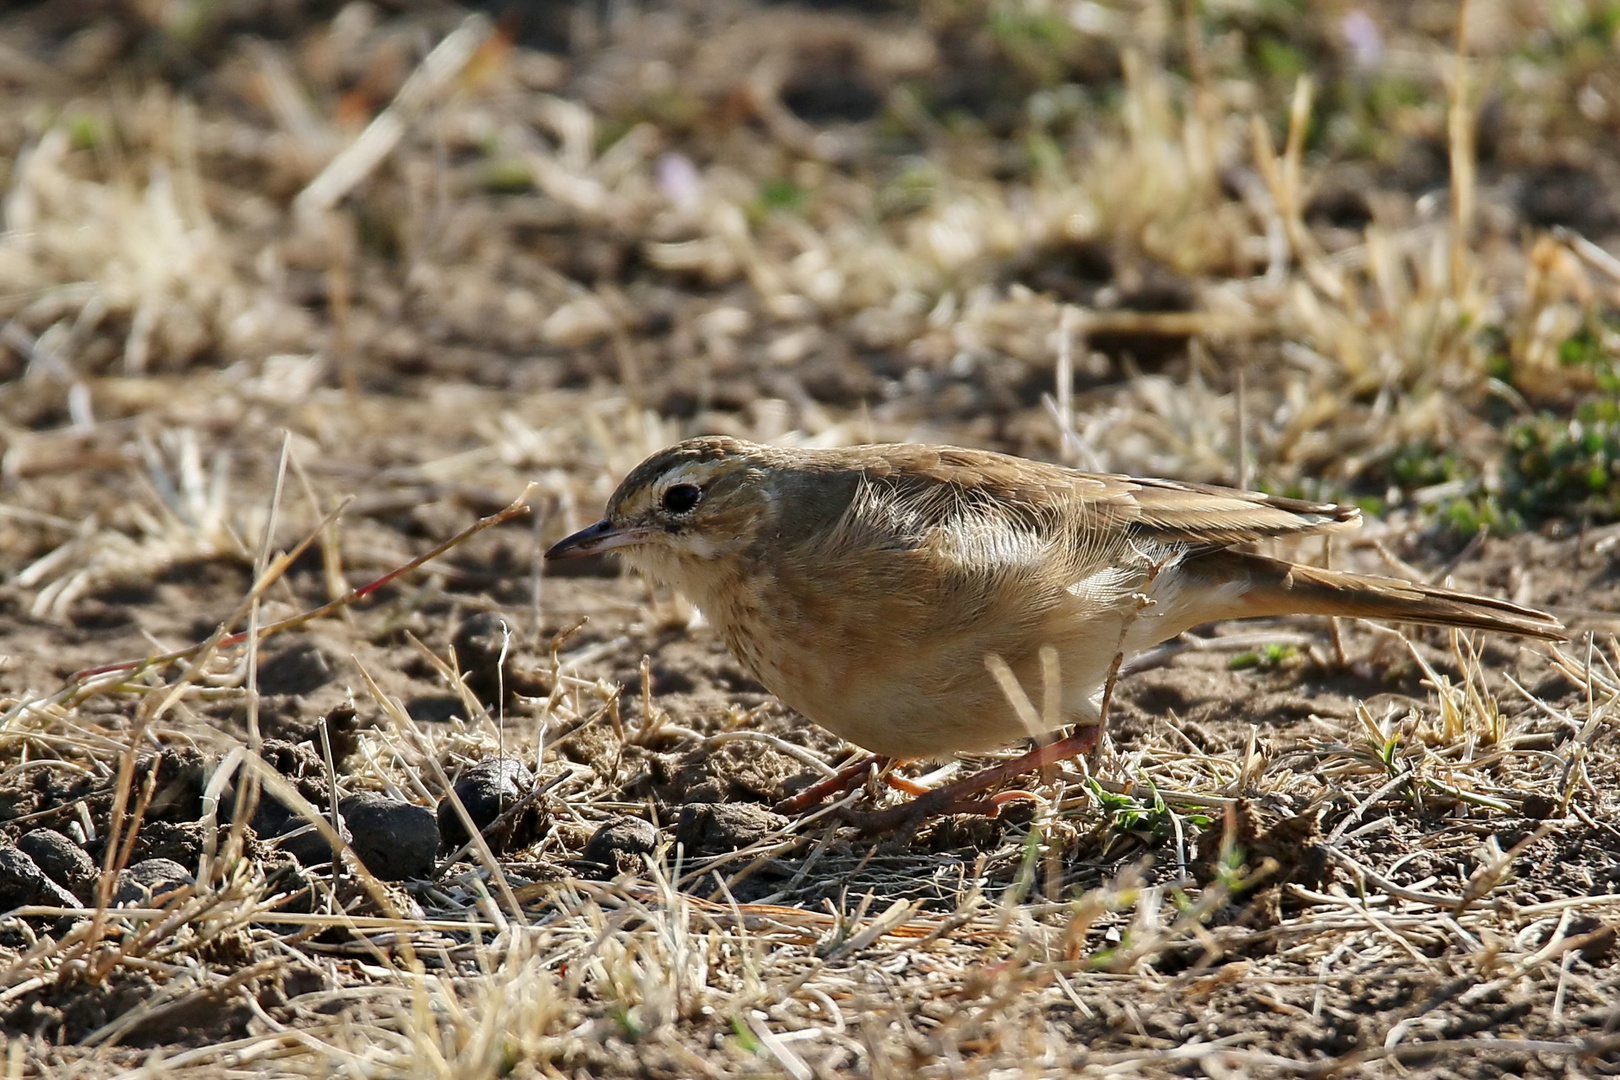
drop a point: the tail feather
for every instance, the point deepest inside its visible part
(1284, 588)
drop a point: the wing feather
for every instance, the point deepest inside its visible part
(1106, 508)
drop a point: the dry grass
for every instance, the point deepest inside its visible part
(434, 267)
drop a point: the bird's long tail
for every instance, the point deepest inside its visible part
(1283, 588)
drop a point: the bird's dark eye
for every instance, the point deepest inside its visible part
(681, 498)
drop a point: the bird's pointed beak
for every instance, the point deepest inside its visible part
(593, 540)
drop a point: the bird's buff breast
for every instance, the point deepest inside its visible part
(898, 672)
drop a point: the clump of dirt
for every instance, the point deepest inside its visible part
(1255, 856)
(729, 773)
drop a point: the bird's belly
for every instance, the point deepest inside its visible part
(920, 687)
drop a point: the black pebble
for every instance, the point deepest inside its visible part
(22, 882)
(306, 845)
(63, 861)
(488, 790)
(618, 845)
(396, 840)
(145, 883)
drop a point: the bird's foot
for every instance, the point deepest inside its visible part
(845, 779)
(958, 798)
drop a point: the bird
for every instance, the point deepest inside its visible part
(886, 591)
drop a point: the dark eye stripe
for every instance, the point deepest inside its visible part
(681, 498)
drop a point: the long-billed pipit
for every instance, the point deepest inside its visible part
(881, 590)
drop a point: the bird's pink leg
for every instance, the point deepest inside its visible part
(850, 776)
(956, 798)
(903, 784)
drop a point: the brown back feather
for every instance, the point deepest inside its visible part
(1169, 511)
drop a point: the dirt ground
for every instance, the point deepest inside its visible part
(292, 293)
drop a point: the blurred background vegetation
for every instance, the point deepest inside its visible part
(1354, 249)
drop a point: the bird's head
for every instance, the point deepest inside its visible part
(682, 511)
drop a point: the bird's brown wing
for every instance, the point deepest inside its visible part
(1004, 509)
(1175, 512)
(1099, 504)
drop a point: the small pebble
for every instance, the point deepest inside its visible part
(619, 845)
(146, 883)
(396, 840)
(63, 861)
(306, 845)
(488, 790)
(23, 883)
